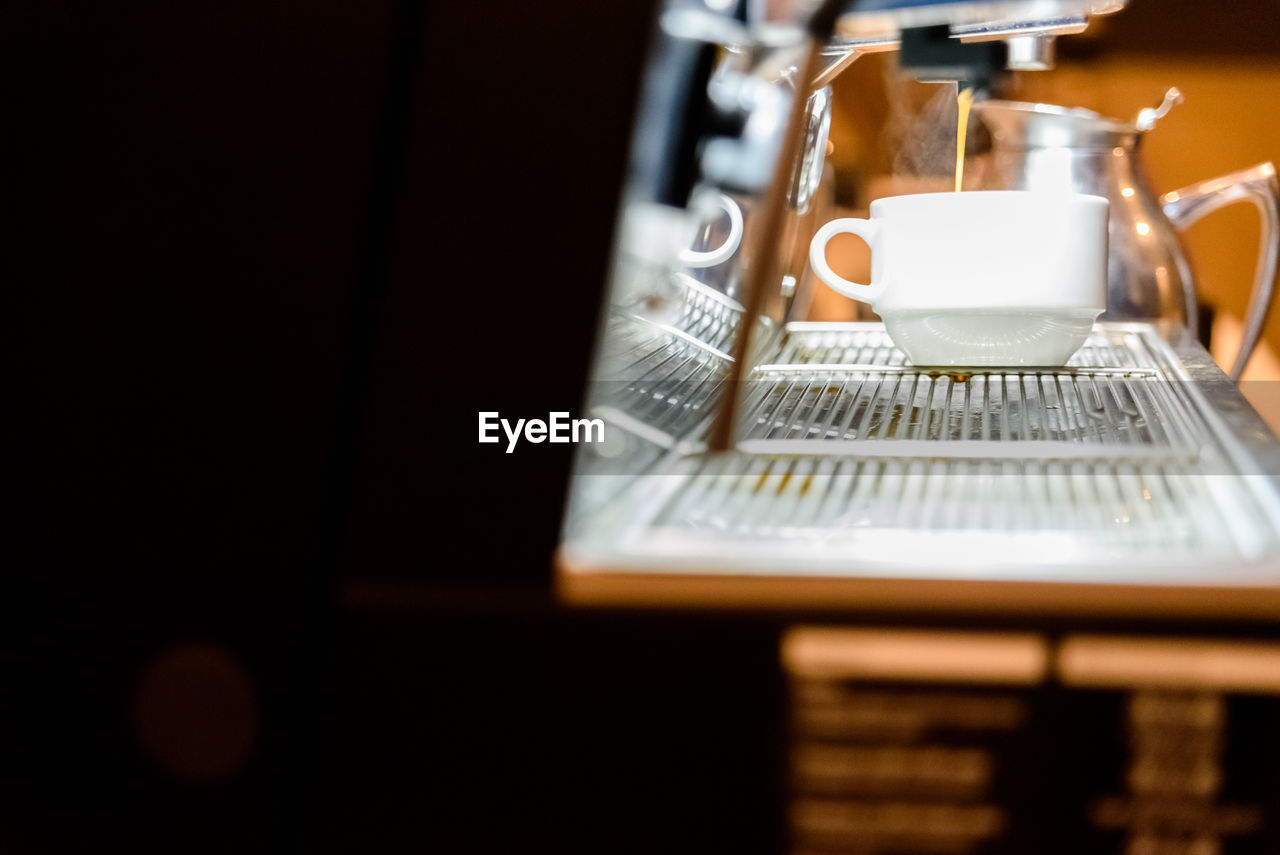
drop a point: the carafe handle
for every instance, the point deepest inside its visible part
(1258, 185)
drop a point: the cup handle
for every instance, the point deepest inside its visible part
(869, 231)
(721, 254)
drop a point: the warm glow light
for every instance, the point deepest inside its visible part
(827, 652)
(1126, 192)
(1143, 229)
(1092, 660)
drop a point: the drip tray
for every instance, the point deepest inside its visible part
(853, 464)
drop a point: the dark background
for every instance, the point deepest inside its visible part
(265, 591)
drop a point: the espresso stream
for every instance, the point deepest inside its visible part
(964, 98)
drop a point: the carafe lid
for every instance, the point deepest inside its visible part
(1021, 125)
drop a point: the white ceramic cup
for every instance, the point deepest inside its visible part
(982, 278)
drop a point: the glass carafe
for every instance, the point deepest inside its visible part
(1041, 146)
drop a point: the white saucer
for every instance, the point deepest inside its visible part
(1040, 337)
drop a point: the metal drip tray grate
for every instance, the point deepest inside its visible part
(664, 364)
(665, 382)
(851, 384)
(974, 514)
(851, 461)
(689, 309)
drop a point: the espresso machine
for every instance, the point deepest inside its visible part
(994, 587)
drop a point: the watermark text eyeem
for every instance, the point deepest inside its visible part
(557, 428)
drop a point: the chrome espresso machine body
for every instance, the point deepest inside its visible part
(983, 578)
